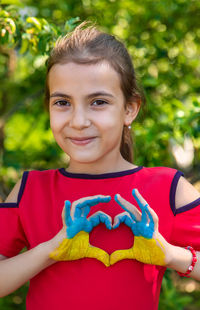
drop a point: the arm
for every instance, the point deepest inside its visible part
(180, 258)
(17, 270)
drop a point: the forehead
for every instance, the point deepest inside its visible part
(84, 78)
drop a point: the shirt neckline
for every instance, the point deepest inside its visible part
(99, 176)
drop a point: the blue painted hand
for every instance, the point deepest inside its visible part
(76, 217)
(77, 226)
(149, 245)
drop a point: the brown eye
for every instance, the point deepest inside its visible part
(99, 102)
(62, 103)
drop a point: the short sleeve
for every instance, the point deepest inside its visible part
(12, 237)
(186, 226)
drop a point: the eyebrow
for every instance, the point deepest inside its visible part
(96, 94)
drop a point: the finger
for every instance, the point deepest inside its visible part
(85, 211)
(138, 197)
(99, 254)
(78, 206)
(100, 217)
(147, 218)
(151, 221)
(153, 218)
(83, 208)
(67, 216)
(123, 218)
(120, 255)
(143, 206)
(144, 219)
(127, 206)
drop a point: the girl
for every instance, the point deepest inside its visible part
(106, 250)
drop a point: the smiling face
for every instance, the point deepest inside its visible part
(87, 115)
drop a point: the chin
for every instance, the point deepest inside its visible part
(83, 157)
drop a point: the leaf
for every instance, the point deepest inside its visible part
(196, 103)
(43, 44)
(35, 22)
(4, 36)
(11, 23)
(150, 82)
(4, 13)
(70, 24)
(24, 46)
(15, 2)
(26, 36)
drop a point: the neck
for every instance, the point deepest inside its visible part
(103, 166)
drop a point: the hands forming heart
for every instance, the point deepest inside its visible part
(148, 244)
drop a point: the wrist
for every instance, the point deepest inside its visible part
(171, 255)
(179, 258)
(47, 248)
(52, 244)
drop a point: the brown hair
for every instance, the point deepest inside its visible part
(90, 45)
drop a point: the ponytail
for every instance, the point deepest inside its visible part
(126, 148)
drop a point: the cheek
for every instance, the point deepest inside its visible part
(56, 121)
(113, 119)
(53, 123)
(113, 123)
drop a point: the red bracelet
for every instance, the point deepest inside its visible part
(191, 267)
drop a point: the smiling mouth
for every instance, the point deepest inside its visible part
(82, 141)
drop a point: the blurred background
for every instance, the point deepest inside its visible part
(163, 38)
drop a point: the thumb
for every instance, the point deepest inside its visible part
(101, 255)
(120, 255)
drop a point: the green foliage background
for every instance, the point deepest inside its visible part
(162, 36)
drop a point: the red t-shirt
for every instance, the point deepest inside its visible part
(87, 283)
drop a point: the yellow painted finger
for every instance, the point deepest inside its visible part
(120, 255)
(99, 254)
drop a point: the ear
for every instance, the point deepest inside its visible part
(131, 111)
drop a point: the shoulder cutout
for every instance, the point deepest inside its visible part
(12, 197)
(185, 193)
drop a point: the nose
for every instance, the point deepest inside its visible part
(79, 119)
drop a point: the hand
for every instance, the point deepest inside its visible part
(149, 246)
(76, 225)
(76, 217)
